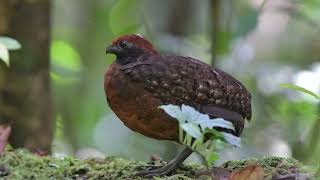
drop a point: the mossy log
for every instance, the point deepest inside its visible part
(21, 164)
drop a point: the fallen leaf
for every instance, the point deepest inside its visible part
(5, 130)
(216, 173)
(251, 172)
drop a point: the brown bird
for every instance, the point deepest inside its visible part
(140, 80)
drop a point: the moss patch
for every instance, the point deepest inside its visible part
(273, 166)
(21, 164)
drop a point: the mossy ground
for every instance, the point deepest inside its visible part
(21, 164)
(273, 166)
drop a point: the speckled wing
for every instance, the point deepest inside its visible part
(184, 80)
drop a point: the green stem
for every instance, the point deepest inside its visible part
(197, 142)
(185, 139)
(188, 140)
(215, 17)
(262, 5)
(180, 134)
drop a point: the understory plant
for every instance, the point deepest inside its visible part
(196, 130)
(7, 44)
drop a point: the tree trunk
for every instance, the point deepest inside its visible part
(179, 17)
(220, 27)
(25, 93)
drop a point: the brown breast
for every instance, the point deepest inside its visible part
(136, 107)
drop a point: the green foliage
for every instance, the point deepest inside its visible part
(7, 44)
(124, 17)
(295, 112)
(301, 89)
(59, 127)
(65, 62)
(309, 10)
(246, 21)
(199, 126)
(64, 56)
(318, 172)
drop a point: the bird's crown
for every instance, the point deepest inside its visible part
(138, 40)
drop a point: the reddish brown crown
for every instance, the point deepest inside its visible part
(138, 41)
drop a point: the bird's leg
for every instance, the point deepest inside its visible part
(168, 168)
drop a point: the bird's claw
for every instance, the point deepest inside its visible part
(147, 167)
(162, 171)
(167, 168)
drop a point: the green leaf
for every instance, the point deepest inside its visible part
(246, 20)
(197, 142)
(62, 79)
(211, 157)
(224, 39)
(4, 54)
(218, 122)
(65, 57)
(223, 136)
(124, 17)
(301, 89)
(207, 151)
(216, 134)
(10, 43)
(192, 129)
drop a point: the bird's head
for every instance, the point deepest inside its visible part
(129, 47)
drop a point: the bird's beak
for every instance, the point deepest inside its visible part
(112, 49)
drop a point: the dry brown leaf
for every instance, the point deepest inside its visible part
(5, 130)
(251, 172)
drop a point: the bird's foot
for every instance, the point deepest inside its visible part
(166, 168)
(155, 170)
(147, 167)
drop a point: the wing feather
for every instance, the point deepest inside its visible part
(183, 80)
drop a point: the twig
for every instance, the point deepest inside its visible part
(264, 2)
(215, 18)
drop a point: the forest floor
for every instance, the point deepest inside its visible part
(21, 164)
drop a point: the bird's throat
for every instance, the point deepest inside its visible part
(125, 60)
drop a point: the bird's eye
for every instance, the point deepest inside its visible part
(123, 44)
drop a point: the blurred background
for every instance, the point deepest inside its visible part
(52, 94)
